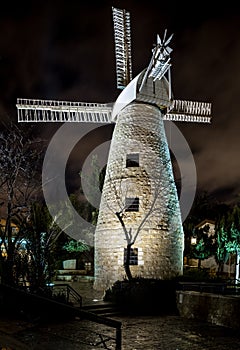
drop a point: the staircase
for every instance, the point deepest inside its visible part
(102, 308)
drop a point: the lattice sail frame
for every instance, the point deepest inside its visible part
(41, 111)
(31, 110)
(189, 111)
(122, 39)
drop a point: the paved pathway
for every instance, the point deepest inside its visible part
(148, 333)
(138, 333)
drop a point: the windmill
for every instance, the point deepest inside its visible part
(139, 215)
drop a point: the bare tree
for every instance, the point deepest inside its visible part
(149, 207)
(20, 185)
(130, 235)
(41, 235)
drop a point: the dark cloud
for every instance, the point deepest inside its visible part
(64, 50)
(210, 71)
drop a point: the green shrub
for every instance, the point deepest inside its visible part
(197, 275)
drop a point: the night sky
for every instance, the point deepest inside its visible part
(64, 50)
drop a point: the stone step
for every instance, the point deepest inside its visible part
(102, 309)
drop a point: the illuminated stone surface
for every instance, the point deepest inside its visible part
(139, 129)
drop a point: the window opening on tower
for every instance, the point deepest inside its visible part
(133, 256)
(132, 204)
(132, 160)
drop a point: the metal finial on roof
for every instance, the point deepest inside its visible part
(160, 60)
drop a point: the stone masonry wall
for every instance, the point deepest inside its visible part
(222, 310)
(139, 129)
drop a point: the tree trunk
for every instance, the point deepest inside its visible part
(229, 266)
(220, 268)
(199, 264)
(127, 262)
(237, 267)
(7, 273)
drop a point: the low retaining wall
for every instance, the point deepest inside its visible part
(221, 310)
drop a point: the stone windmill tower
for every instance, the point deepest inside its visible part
(139, 223)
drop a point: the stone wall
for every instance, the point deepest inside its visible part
(222, 310)
(139, 129)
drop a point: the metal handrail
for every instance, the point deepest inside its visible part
(210, 287)
(107, 322)
(69, 292)
(28, 298)
(95, 318)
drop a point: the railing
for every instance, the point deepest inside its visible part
(71, 295)
(103, 339)
(226, 288)
(233, 287)
(67, 292)
(22, 300)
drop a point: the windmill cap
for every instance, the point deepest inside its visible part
(153, 92)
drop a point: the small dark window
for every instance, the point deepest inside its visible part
(132, 160)
(132, 204)
(133, 256)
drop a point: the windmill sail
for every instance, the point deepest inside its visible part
(37, 111)
(189, 111)
(122, 38)
(30, 110)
